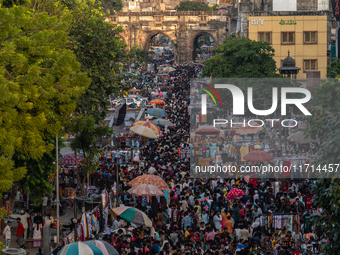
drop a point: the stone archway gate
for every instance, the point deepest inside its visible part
(181, 28)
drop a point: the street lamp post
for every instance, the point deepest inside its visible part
(57, 188)
(117, 180)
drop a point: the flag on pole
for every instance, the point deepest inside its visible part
(238, 24)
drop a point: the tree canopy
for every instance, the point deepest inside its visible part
(194, 6)
(242, 58)
(113, 5)
(250, 60)
(59, 62)
(40, 83)
(334, 70)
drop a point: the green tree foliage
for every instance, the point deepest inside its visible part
(193, 6)
(113, 5)
(333, 70)
(11, 3)
(100, 50)
(37, 182)
(242, 58)
(40, 82)
(325, 122)
(86, 134)
(143, 55)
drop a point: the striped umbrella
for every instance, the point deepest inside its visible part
(149, 179)
(80, 248)
(105, 247)
(131, 214)
(145, 190)
(156, 112)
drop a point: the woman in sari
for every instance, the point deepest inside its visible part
(224, 218)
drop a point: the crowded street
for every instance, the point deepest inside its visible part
(175, 128)
(190, 215)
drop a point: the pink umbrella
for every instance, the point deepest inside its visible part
(69, 159)
(235, 193)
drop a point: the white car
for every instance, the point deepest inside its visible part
(131, 100)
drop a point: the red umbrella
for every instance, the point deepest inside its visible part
(258, 156)
(235, 193)
(69, 159)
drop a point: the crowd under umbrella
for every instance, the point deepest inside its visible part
(235, 193)
(257, 156)
(146, 190)
(70, 159)
(105, 247)
(80, 248)
(301, 138)
(163, 122)
(149, 179)
(156, 112)
(131, 214)
(144, 131)
(208, 130)
(148, 125)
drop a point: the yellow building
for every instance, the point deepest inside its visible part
(304, 36)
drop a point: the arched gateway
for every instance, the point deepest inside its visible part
(182, 28)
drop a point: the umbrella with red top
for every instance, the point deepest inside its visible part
(235, 193)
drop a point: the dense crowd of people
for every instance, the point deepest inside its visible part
(272, 217)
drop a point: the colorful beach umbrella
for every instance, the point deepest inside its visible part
(80, 248)
(105, 247)
(131, 214)
(156, 112)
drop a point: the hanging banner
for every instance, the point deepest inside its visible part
(336, 9)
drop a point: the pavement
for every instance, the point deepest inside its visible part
(64, 219)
